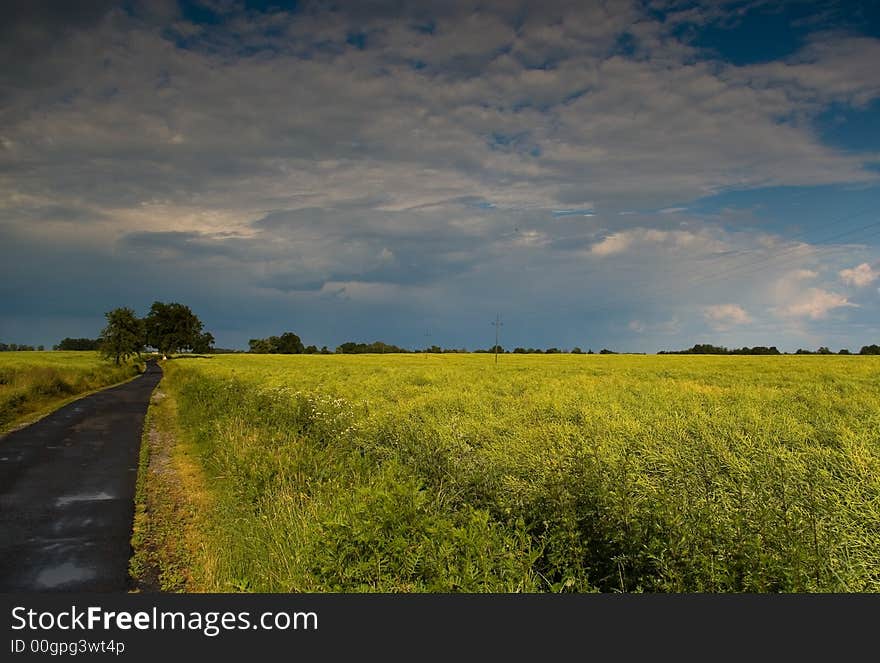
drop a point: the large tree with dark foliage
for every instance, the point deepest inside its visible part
(172, 328)
(123, 336)
(204, 343)
(288, 344)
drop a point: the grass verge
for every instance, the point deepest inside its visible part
(169, 549)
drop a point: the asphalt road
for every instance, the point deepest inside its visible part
(67, 487)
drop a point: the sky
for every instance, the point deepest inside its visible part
(639, 175)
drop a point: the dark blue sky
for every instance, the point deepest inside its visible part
(639, 175)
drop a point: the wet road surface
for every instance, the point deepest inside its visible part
(67, 487)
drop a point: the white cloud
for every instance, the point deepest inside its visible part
(859, 276)
(626, 240)
(814, 304)
(722, 316)
(614, 243)
(533, 238)
(830, 68)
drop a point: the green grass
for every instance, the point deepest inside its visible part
(34, 383)
(168, 502)
(560, 473)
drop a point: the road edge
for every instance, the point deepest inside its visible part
(168, 550)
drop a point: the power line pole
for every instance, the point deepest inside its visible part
(497, 324)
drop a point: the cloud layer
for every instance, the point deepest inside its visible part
(426, 163)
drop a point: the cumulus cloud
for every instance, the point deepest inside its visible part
(614, 243)
(724, 316)
(860, 275)
(814, 304)
(804, 274)
(626, 240)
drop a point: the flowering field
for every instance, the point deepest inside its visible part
(548, 473)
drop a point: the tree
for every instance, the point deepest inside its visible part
(79, 344)
(204, 343)
(172, 328)
(870, 350)
(123, 336)
(288, 344)
(259, 346)
(376, 347)
(15, 347)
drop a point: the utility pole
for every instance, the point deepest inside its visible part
(497, 324)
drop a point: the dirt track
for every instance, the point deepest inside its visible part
(67, 487)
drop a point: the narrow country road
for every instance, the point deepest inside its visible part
(67, 487)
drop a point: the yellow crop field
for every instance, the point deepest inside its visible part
(34, 382)
(443, 473)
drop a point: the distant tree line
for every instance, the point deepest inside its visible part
(18, 347)
(551, 351)
(707, 349)
(290, 343)
(286, 344)
(171, 328)
(521, 351)
(376, 347)
(78, 344)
